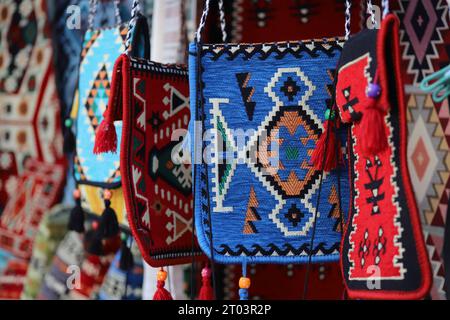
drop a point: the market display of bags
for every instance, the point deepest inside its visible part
(277, 157)
(51, 231)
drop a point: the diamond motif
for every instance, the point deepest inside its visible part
(420, 22)
(420, 158)
(286, 136)
(429, 181)
(421, 30)
(289, 87)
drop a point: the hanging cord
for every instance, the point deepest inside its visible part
(183, 49)
(117, 12)
(135, 10)
(385, 4)
(202, 109)
(92, 12)
(201, 26)
(223, 22)
(319, 191)
(372, 13)
(362, 14)
(338, 173)
(93, 6)
(193, 268)
(194, 188)
(348, 15)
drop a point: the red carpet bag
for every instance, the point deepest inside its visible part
(152, 99)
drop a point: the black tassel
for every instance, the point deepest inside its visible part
(69, 137)
(76, 220)
(94, 241)
(126, 257)
(109, 225)
(96, 246)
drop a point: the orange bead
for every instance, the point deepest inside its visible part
(244, 283)
(76, 194)
(161, 275)
(107, 195)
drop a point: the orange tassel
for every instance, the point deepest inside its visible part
(327, 142)
(373, 137)
(105, 137)
(162, 293)
(206, 291)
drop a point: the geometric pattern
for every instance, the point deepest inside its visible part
(422, 24)
(428, 157)
(425, 35)
(157, 180)
(30, 125)
(429, 144)
(100, 50)
(261, 132)
(383, 255)
(435, 241)
(37, 191)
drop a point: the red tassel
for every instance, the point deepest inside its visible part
(327, 141)
(373, 137)
(105, 137)
(206, 291)
(162, 293)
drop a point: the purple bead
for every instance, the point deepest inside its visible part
(373, 90)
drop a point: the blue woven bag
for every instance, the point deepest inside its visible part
(259, 110)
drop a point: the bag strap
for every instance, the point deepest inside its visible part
(93, 5)
(385, 4)
(205, 15)
(135, 10)
(138, 33)
(223, 23)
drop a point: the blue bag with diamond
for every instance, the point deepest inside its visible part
(258, 111)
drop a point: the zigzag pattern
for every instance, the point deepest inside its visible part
(273, 249)
(279, 49)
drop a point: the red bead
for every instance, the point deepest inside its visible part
(76, 194)
(107, 195)
(206, 272)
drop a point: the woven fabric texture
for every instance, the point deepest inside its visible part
(263, 108)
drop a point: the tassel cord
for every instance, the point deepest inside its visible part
(202, 107)
(319, 192)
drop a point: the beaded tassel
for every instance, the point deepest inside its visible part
(162, 293)
(206, 291)
(76, 220)
(373, 134)
(244, 283)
